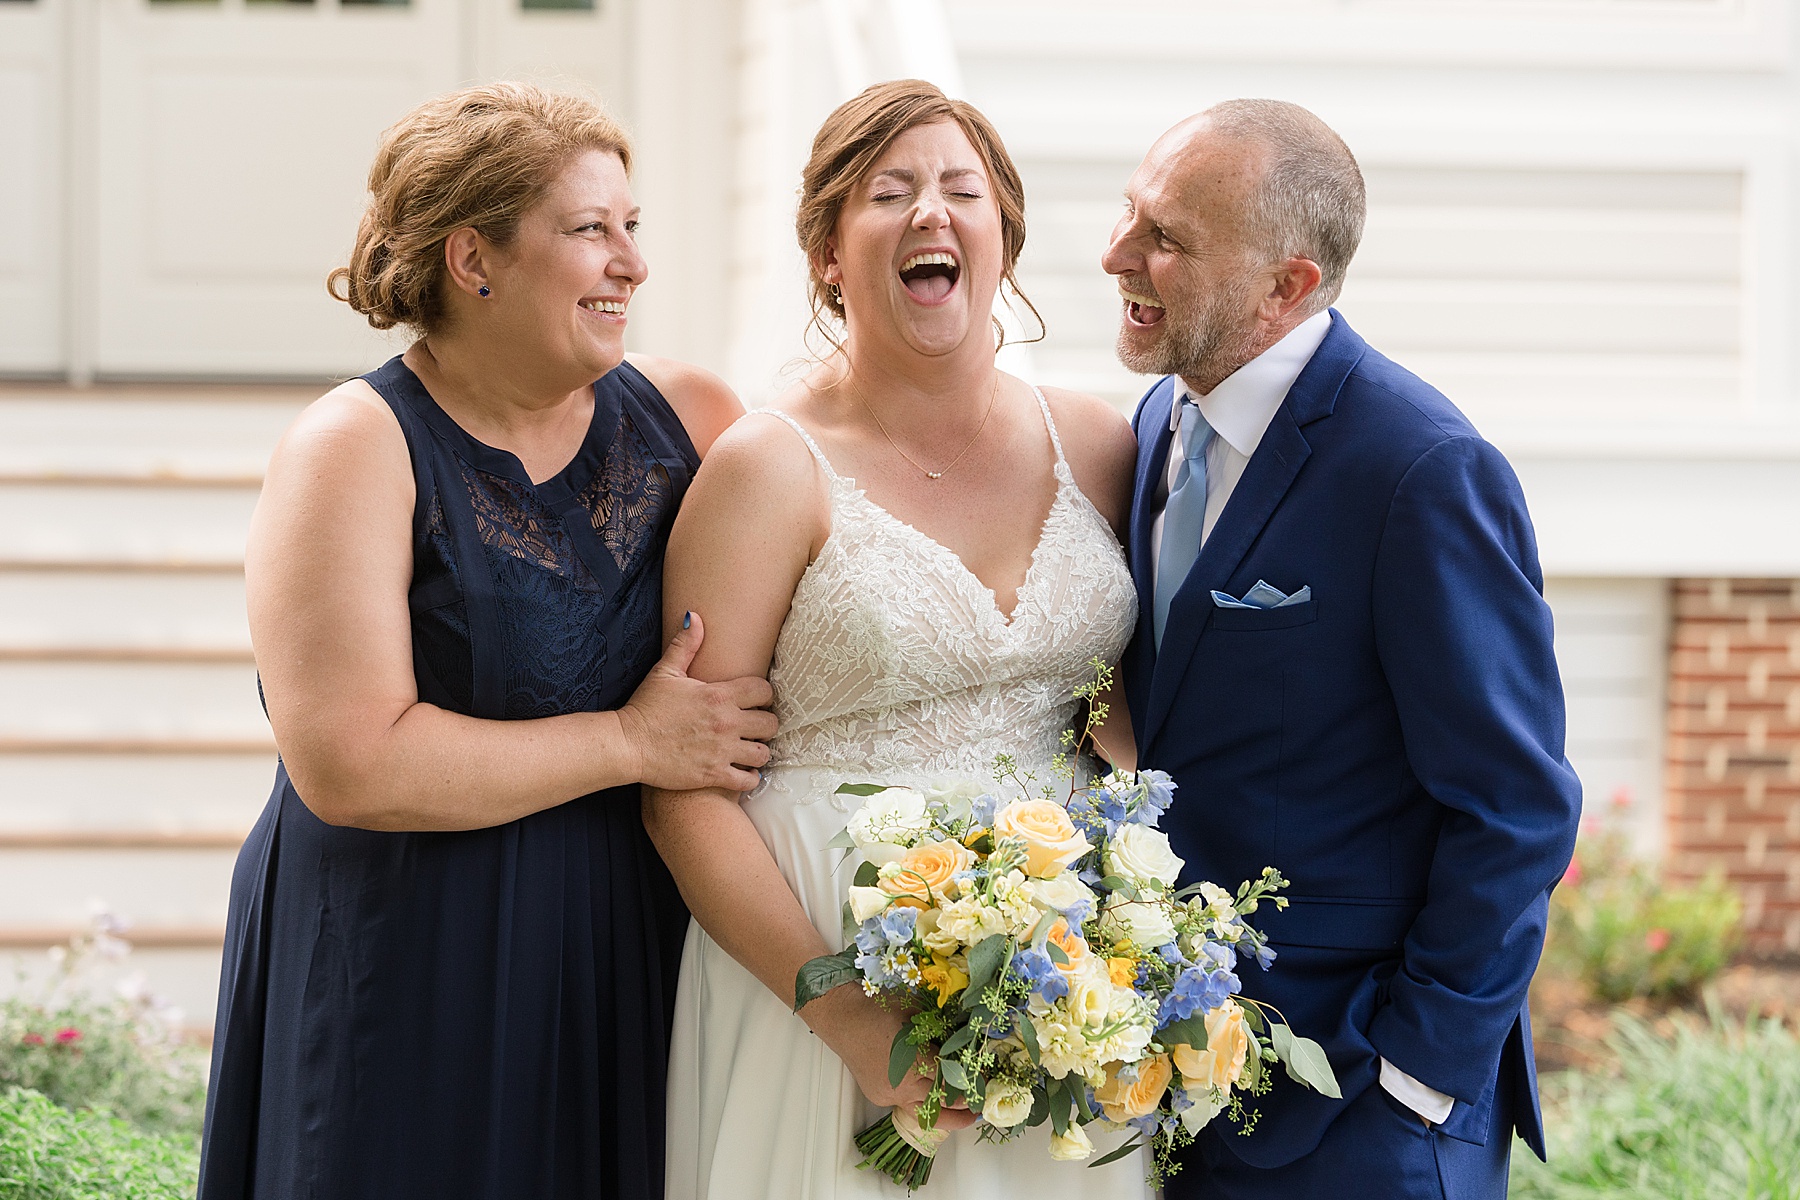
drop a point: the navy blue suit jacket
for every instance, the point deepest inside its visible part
(1394, 745)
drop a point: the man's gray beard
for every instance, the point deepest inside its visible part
(1216, 341)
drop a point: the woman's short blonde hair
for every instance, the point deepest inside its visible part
(856, 134)
(478, 158)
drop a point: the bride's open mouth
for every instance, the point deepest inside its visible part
(1142, 311)
(930, 276)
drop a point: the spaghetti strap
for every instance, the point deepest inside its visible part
(824, 463)
(1050, 424)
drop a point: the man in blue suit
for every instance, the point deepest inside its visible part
(1345, 662)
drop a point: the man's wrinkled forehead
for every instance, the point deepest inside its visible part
(1193, 164)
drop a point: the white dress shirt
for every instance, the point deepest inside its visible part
(1239, 410)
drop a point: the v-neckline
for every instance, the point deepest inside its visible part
(1008, 620)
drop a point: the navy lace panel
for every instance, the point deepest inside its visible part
(554, 613)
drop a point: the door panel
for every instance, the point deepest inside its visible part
(31, 187)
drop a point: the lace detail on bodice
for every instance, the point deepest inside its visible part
(896, 664)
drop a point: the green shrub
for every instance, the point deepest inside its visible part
(1623, 932)
(1709, 1113)
(48, 1152)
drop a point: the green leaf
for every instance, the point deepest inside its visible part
(1253, 1068)
(953, 1073)
(985, 963)
(1078, 1090)
(868, 875)
(843, 841)
(1059, 1107)
(1028, 1035)
(1040, 1107)
(1253, 1017)
(957, 1040)
(1121, 1152)
(1191, 1030)
(822, 974)
(1305, 1060)
(1121, 885)
(860, 789)
(1057, 954)
(901, 1057)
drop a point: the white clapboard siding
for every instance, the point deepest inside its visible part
(146, 433)
(1612, 645)
(111, 609)
(134, 700)
(115, 794)
(175, 886)
(132, 523)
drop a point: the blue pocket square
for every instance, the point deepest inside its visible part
(1262, 596)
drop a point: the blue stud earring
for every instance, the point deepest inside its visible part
(482, 291)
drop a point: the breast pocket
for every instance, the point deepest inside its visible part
(1250, 619)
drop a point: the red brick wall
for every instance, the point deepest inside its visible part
(1734, 747)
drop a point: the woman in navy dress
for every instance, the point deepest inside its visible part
(450, 958)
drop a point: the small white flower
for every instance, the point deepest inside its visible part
(895, 816)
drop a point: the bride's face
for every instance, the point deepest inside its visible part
(918, 247)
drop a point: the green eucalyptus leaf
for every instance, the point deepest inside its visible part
(901, 1058)
(1059, 1107)
(1305, 1061)
(843, 841)
(985, 961)
(1028, 1035)
(1121, 885)
(1121, 1152)
(957, 1040)
(860, 789)
(822, 974)
(1191, 1030)
(953, 1073)
(1253, 1017)
(868, 875)
(1040, 1107)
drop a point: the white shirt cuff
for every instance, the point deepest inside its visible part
(1433, 1105)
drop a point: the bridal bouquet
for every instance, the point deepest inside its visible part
(1051, 969)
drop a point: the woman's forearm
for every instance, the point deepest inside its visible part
(433, 769)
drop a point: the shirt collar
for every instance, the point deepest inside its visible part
(1241, 407)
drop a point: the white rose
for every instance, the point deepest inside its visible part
(1090, 994)
(866, 902)
(1207, 1105)
(1072, 1146)
(1005, 1105)
(1142, 855)
(1060, 893)
(1144, 923)
(956, 795)
(893, 815)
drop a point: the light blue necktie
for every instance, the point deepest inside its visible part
(1184, 517)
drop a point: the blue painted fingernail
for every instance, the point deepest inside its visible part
(687, 621)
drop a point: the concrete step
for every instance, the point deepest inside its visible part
(97, 702)
(122, 609)
(192, 431)
(124, 794)
(136, 524)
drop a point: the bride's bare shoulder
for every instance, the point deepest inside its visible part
(1100, 447)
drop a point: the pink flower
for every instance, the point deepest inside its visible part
(65, 1037)
(1572, 876)
(1622, 799)
(1657, 940)
(32, 1039)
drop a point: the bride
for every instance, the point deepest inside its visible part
(921, 553)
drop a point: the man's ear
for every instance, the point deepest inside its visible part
(1294, 282)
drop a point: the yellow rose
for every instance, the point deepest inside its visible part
(1125, 1101)
(925, 871)
(1072, 944)
(1122, 970)
(1227, 1046)
(1051, 840)
(944, 977)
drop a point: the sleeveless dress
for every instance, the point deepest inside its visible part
(481, 1013)
(894, 665)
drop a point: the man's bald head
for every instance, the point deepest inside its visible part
(1307, 199)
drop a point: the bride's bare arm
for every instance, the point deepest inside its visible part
(751, 522)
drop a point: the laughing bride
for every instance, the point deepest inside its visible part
(921, 553)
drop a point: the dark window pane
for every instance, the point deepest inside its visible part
(564, 5)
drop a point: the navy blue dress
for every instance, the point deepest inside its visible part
(483, 1013)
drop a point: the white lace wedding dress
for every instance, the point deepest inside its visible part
(894, 665)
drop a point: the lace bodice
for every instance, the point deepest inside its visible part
(895, 662)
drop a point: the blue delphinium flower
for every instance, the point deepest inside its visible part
(1265, 956)
(1039, 972)
(982, 809)
(1196, 990)
(1171, 953)
(898, 925)
(1159, 792)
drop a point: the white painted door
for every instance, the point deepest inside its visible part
(232, 146)
(31, 186)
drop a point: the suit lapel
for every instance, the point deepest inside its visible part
(1152, 428)
(1259, 492)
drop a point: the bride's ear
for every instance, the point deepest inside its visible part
(830, 270)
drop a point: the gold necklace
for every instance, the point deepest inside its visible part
(993, 394)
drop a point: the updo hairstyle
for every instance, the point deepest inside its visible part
(846, 148)
(476, 158)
